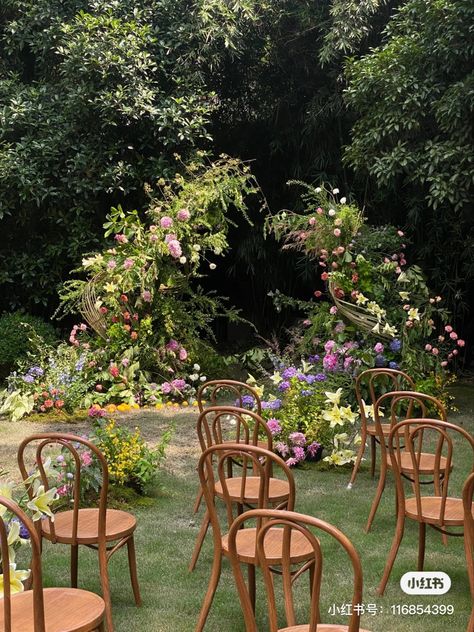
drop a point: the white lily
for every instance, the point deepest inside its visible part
(15, 579)
(40, 503)
(333, 398)
(6, 490)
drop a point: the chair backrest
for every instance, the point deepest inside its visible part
(242, 394)
(376, 382)
(400, 405)
(73, 444)
(256, 462)
(38, 605)
(418, 436)
(291, 522)
(217, 423)
(467, 497)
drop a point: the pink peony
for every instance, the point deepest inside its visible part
(183, 354)
(329, 346)
(378, 348)
(146, 296)
(183, 215)
(337, 232)
(86, 458)
(174, 248)
(166, 222)
(274, 426)
(333, 310)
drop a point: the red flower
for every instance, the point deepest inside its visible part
(103, 310)
(134, 335)
(318, 294)
(48, 403)
(114, 370)
(355, 278)
(135, 316)
(59, 403)
(126, 315)
(124, 298)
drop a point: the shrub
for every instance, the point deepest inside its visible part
(14, 337)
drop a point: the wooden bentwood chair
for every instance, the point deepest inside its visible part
(375, 381)
(291, 525)
(232, 389)
(467, 497)
(404, 405)
(44, 609)
(439, 510)
(260, 463)
(224, 424)
(102, 529)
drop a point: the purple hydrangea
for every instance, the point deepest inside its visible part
(246, 401)
(273, 405)
(166, 388)
(297, 439)
(284, 386)
(310, 379)
(320, 377)
(393, 365)
(395, 345)
(29, 379)
(306, 392)
(274, 426)
(178, 384)
(380, 361)
(313, 359)
(289, 373)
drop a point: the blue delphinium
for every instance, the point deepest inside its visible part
(393, 365)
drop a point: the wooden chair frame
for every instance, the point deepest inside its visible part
(36, 579)
(467, 498)
(212, 465)
(373, 376)
(210, 432)
(413, 432)
(231, 386)
(394, 399)
(104, 547)
(291, 521)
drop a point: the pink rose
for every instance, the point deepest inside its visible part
(319, 210)
(448, 328)
(428, 347)
(444, 363)
(183, 354)
(333, 310)
(453, 335)
(400, 233)
(324, 276)
(337, 232)
(434, 351)
(174, 248)
(461, 343)
(455, 352)
(312, 221)
(146, 296)
(379, 347)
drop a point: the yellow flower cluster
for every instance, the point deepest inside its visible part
(122, 451)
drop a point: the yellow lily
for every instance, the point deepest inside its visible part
(361, 299)
(40, 503)
(334, 416)
(6, 490)
(333, 398)
(413, 313)
(15, 579)
(404, 295)
(348, 414)
(391, 331)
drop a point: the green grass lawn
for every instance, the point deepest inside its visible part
(166, 531)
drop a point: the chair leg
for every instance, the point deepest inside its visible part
(373, 455)
(101, 627)
(211, 589)
(421, 545)
(132, 564)
(360, 454)
(197, 502)
(252, 588)
(74, 564)
(105, 584)
(199, 541)
(377, 497)
(392, 555)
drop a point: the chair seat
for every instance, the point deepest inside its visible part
(65, 610)
(431, 507)
(322, 627)
(118, 525)
(426, 463)
(278, 490)
(300, 548)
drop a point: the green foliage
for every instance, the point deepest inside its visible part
(413, 96)
(15, 333)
